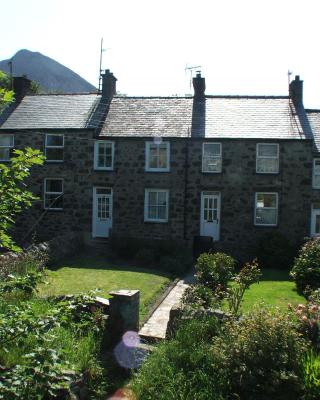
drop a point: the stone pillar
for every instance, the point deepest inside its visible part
(124, 313)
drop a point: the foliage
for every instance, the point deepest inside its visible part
(249, 274)
(6, 95)
(308, 317)
(275, 251)
(13, 194)
(21, 263)
(42, 376)
(311, 367)
(263, 356)
(306, 268)
(198, 295)
(183, 368)
(26, 283)
(213, 270)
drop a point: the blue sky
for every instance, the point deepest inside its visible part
(243, 46)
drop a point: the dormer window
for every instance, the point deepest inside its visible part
(54, 147)
(157, 157)
(103, 155)
(211, 157)
(267, 160)
(6, 147)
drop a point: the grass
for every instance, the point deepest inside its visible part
(81, 274)
(275, 289)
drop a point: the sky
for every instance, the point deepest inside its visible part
(244, 47)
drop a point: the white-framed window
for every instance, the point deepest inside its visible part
(266, 209)
(54, 147)
(6, 146)
(53, 193)
(158, 156)
(103, 155)
(316, 173)
(267, 160)
(211, 157)
(156, 205)
(315, 219)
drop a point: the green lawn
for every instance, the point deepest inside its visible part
(275, 288)
(81, 274)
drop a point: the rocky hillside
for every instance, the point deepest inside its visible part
(48, 73)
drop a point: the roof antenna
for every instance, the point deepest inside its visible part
(191, 68)
(100, 66)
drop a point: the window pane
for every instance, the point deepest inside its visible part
(54, 140)
(162, 212)
(152, 212)
(54, 154)
(163, 157)
(53, 185)
(267, 165)
(53, 201)
(317, 227)
(266, 200)
(162, 198)
(212, 149)
(267, 150)
(152, 198)
(105, 155)
(4, 154)
(316, 180)
(266, 216)
(6, 140)
(212, 164)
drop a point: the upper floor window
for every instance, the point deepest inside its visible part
(266, 209)
(53, 193)
(6, 146)
(156, 205)
(158, 156)
(54, 147)
(211, 157)
(316, 174)
(267, 158)
(103, 155)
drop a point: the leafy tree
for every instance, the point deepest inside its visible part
(13, 194)
(6, 95)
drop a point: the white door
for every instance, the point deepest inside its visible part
(102, 212)
(315, 222)
(210, 215)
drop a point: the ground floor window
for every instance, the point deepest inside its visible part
(266, 209)
(156, 205)
(315, 219)
(6, 146)
(53, 193)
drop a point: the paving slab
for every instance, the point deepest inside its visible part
(156, 326)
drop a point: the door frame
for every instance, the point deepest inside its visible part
(218, 195)
(94, 209)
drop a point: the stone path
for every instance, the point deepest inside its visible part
(156, 325)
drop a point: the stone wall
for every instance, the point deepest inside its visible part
(237, 184)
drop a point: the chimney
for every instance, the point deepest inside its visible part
(296, 91)
(108, 85)
(21, 87)
(199, 86)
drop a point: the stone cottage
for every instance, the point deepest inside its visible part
(230, 168)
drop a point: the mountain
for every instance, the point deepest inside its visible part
(50, 75)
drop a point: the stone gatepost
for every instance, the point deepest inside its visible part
(124, 313)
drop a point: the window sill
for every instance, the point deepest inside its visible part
(266, 225)
(103, 169)
(54, 209)
(157, 170)
(267, 173)
(155, 221)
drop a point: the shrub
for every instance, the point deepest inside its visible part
(263, 356)
(311, 365)
(199, 296)
(306, 268)
(275, 251)
(214, 270)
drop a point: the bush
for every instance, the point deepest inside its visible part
(263, 356)
(306, 268)
(199, 296)
(311, 364)
(214, 270)
(275, 251)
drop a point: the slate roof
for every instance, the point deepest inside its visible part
(222, 117)
(314, 121)
(50, 111)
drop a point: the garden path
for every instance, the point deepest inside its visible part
(156, 326)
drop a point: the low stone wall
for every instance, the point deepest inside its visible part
(43, 253)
